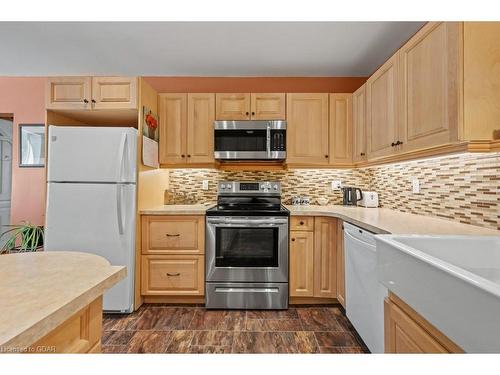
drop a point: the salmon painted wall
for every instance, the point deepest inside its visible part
(25, 98)
(256, 84)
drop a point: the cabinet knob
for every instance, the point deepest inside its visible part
(93, 101)
(189, 156)
(393, 144)
(399, 143)
(293, 239)
(85, 101)
(183, 156)
(326, 156)
(253, 113)
(362, 154)
(301, 223)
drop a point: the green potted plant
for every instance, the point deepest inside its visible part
(24, 237)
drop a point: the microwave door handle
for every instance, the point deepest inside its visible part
(268, 140)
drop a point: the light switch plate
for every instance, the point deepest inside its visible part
(336, 185)
(415, 185)
(204, 185)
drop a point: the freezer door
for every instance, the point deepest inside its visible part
(91, 154)
(97, 219)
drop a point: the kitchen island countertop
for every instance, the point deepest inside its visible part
(39, 291)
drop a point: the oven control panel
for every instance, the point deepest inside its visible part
(251, 188)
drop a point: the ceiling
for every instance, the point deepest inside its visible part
(199, 48)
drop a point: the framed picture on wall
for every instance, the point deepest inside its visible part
(31, 145)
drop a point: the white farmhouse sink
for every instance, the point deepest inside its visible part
(452, 281)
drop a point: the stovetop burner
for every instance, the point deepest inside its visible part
(248, 199)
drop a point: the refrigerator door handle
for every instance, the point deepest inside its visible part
(119, 208)
(121, 156)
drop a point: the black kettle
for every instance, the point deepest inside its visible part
(351, 196)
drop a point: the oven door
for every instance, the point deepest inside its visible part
(247, 249)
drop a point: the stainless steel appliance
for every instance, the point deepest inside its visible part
(247, 247)
(351, 196)
(250, 140)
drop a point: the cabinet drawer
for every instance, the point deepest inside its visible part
(302, 223)
(173, 234)
(173, 275)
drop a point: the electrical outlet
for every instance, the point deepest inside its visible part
(415, 186)
(204, 185)
(336, 184)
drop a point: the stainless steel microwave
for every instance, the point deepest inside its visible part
(250, 140)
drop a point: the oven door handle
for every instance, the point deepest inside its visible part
(249, 223)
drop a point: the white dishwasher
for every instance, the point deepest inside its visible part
(364, 294)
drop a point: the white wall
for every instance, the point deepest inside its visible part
(5, 174)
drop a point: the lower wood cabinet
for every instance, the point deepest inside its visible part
(313, 259)
(408, 332)
(173, 275)
(79, 334)
(301, 280)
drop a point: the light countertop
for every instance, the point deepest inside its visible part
(388, 221)
(39, 291)
(377, 220)
(178, 209)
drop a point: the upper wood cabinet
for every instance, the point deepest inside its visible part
(114, 92)
(265, 106)
(200, 129)
(186, 128)
(340, 129)
(430, 87)
(359, 124)
(68, 93)
(481, 93)
(268, 106)
(232, 106)
(173, 124)
(382, 97)
(307, 129)
(325, 257)
(91, 93)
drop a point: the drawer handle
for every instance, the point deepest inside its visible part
(173, 274)
(173, 235)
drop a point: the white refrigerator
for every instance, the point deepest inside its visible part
(91, 199)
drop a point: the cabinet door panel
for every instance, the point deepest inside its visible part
(200, 130)
(68, 93)
(430, 78)
(114, 92)
(382, 103)
(301, 264)
(232, 106)
(340, 129)
(268, 106)
(359, 124)
(325, 257)
(307, 129)
(173, 125)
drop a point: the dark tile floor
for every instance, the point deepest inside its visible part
(181, 329)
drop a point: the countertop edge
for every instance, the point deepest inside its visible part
(53, 320)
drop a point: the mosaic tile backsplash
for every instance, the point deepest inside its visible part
(464, 187)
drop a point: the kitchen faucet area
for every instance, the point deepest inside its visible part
(206, 187)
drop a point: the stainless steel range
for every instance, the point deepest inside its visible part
(247, 247)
